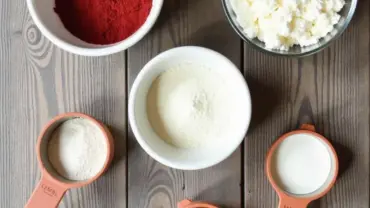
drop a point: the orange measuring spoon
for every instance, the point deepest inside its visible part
(189, 204)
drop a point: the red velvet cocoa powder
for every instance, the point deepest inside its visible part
(103, 21)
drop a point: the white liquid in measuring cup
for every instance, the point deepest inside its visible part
(301, 164)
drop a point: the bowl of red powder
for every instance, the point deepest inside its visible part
(94, 27)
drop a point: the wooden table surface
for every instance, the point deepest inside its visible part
(39, 80)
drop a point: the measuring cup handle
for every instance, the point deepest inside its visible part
(47, 194)
(287, 202)
(308, 127)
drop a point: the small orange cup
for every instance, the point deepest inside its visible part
(289, 200)
(189, 204)
(52, 187)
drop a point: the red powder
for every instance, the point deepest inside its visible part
(103, 21)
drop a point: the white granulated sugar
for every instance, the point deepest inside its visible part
(77, 149)
(280, 24)
(302, 164)
(190, 105)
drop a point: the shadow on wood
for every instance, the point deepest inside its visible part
(345, 157)
(265, 100)
(104, 113)
(216, 37)
(305, 115)
(212, 191)
(314, 204)
(173, 12)
(120, 142)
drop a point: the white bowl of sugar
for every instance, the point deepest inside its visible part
(189, 108)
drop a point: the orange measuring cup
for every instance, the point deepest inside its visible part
(189, 204)
(291, 200)
(52, 187)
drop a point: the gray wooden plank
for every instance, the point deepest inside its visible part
(96, 86)
(272, 84)
(330, 90)
(39, 81)
(151, 184)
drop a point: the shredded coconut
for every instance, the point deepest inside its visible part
(280, 24)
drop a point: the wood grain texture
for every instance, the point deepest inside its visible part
(96, 86)
(39, 81)
(151, 184)
(330, 90)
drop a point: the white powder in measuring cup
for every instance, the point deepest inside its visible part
(77, 149)
(190, 105)
(302, 164)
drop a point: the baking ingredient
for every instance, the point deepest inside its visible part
(190, 105)
(302, 164)
(77, 149)
(103, 21)
(280, 24)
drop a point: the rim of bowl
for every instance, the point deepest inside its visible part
(302, 54)
(106, 49)
(138, 135)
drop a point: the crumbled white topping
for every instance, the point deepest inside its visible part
(281, 24)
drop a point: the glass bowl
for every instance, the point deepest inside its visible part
(296, 51)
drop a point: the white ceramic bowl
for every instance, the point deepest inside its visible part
(181, 158)
(42, 13)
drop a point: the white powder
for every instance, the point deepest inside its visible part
(302, 164)
(77, 149)
(191, 105)
(281, 24)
